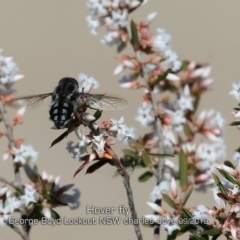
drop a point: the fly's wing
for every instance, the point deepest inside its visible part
(29, 101)
(103, 102)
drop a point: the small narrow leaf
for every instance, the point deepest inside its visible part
(55, 215)
(97, 115)
(121, 47)
(229, 164)
(145, 176)
(130, 153)
(160, 155)
(134, 32)
(187, 194)
(228, 176)
(212, 232)
(198, 238)
(183, 167)
(160, 78)
(187, 130)
(169, 201)
(59, 139)
(236, 123)
(147, 161)
(219, 184)
(96, 166)
(81, 167)
(186, 213)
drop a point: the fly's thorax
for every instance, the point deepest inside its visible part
(67, 89)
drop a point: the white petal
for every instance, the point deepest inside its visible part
(151, 16)
(118, 69)
(172, 77)
(154, 206)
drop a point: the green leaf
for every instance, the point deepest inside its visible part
(169, 201)
(236, 123)
(183, 167)
(229, 164)
(161, 155)
(227, 176)
(186, 213)
(121, 47)
(160, 78)
(185, 65)
(55, 215)
(97, 115)
(212, 232)
(145, 176)
(198, 238)
(134, 32)
(130, 153)
(147, 161)
(187, 130)
(219, 184)
(187, 194)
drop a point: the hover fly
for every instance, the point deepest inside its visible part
(67, 99)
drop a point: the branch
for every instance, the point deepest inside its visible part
(126, 181)
(11, 144)
(3, 180)
(18, 231)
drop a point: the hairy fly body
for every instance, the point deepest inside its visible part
(68, 101)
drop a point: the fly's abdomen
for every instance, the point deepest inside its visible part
(61, 113)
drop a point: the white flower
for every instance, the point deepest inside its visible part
(12, 203)
(30, 196)
(8, 70)
(163, 187)
(173, 224)
(185, 101)
(201, 213)
(23, 154)
(99, 144)
(93, 24)
(80, 149)
(171, 60)
(162, 41)
(3, 214)
(145, 116)
(87, 83)
(121, 132)
(49, 178)
(177, 119)
(210, 155)
(202, 72)
(235, 190)
(236, 91)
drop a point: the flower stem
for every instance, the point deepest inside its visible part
(126, 181)
(18, 231)
(10, 140)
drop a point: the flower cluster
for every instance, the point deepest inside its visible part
(37, 198)
(113, 14)
(169, 108)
